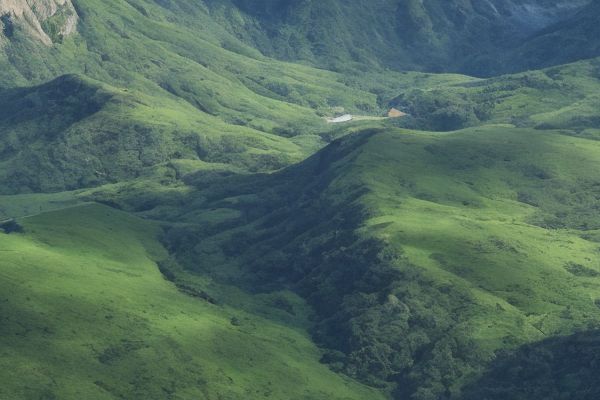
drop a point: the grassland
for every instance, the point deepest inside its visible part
(245, 249)
(423, 254)
(87, 314)
(412, 258)
(140, 84)
(148, 84)
(562, 97)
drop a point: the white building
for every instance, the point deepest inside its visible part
(342, 118)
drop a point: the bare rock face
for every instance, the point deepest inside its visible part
(47, 21)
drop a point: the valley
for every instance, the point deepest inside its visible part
(224, 199)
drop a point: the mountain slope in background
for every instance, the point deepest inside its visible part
(570, 39)
(468, 36)
(179, 61)
(171, 72)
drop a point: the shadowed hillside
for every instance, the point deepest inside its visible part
(571, 39)
(558, 368)
(86, 313)
(422, 254)
(472, 36)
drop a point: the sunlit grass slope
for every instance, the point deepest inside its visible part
(86, 314)
(509, 212)
(142, 83)
(178, 50)
(561, 97)
(76, 132)
(422, 254)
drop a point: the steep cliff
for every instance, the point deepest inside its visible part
(47, 21)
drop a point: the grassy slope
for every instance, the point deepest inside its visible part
(562, 97)
(180, 50)
(486, 237)
(86, 314)
(172, 76)
(504, 210)
(484, 226)
(468, 36)
(212, 100)
(126, 134)
(83, 133)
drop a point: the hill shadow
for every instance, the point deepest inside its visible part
(558, 368)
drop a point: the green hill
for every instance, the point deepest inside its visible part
(561, 97)
(179, 221)
(422, 254)
(177, 76)
(179, 85)
(178, 51)
(86, 314)
(74, 132)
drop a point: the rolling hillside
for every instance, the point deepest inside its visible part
(421, 253)
(179, 221)
(561, 97)
(173, 82)
(86, 314)
(82, 133)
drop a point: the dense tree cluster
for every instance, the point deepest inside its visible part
(563, 368)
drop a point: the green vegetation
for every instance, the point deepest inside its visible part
(86, 314)
(422, 254)
(178, 221)
(577, 37)
(170, 81)
(564, 97)
(474, 37)
(81, 133)
(558, 368)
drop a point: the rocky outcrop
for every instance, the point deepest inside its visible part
(46, 21)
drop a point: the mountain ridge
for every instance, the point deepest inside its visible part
(420, 260)
(178, 219)
(455, 36)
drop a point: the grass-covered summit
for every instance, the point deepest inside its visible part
(422, 254)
